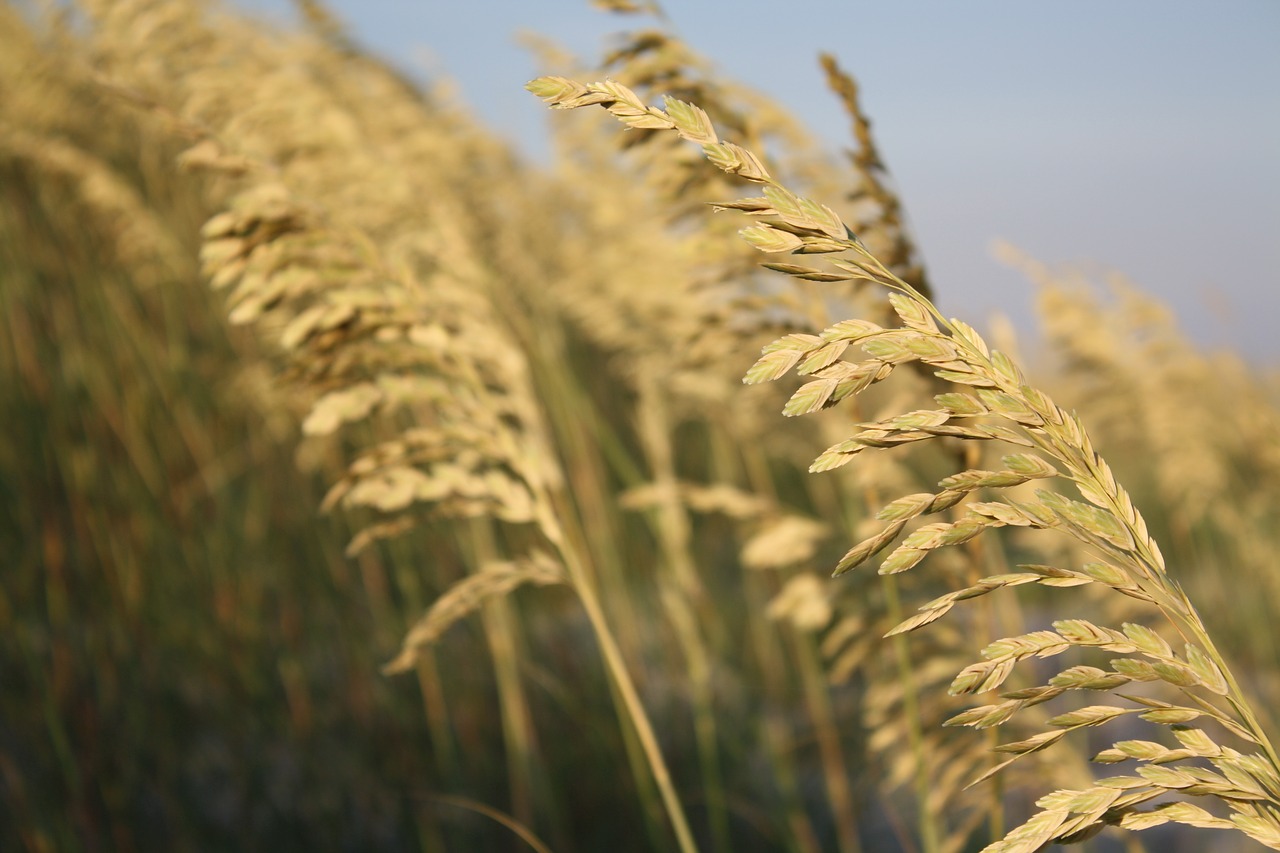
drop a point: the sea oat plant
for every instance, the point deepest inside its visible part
(371, 338)
(192, 659)
(386, 339)
(664, 310)
(993, 402)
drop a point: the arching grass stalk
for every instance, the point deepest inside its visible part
(616, 666)
(993, 401)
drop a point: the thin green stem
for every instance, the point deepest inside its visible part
(681, 595)
(778, 737)
(620, 676)
(617, 669)
(501, 629)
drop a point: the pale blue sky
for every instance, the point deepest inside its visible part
(1141, 135)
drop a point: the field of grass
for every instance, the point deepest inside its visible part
(367, 488)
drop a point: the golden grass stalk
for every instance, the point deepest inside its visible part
(663, 336)
(479, 455)
(993, 402)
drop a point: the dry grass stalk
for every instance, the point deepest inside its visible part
(666, 314)
(994, 402)
(379, 339)
(383, 318)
